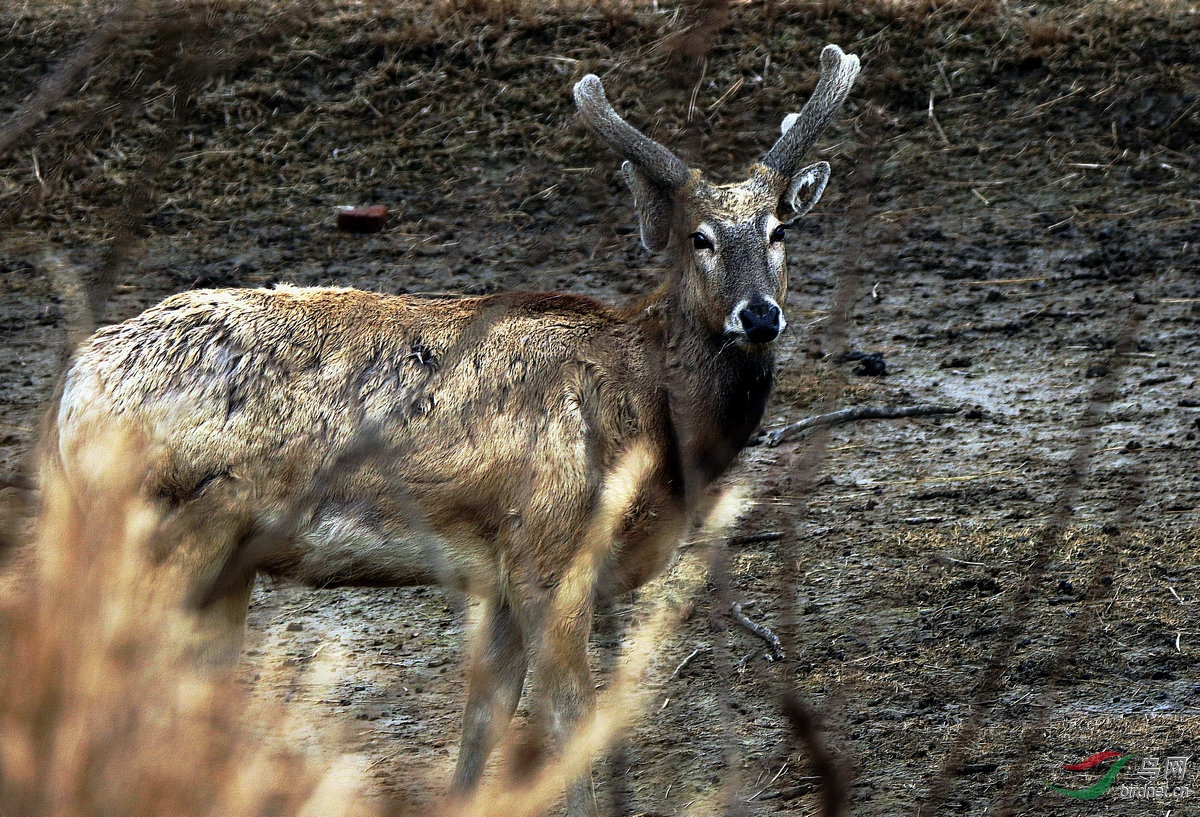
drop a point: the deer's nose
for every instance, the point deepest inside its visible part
(761, 320)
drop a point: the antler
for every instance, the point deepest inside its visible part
(660, 165)
(838, 71)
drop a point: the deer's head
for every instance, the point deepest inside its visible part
(729, 237)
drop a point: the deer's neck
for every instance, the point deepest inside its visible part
(718, 389)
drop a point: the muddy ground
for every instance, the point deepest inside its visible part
(969, 601)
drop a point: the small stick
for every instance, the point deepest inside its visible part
(849, 415)
(790, 793)
(685, 662)
(755, 538)
(759, 630)
(952, 560)
(770, 783)
(937, 126)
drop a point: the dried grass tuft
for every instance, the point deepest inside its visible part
(1044, 32)
(102, 709)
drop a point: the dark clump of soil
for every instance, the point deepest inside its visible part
(968, 601)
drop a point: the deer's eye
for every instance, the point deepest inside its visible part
(777, 234)
(701, 242)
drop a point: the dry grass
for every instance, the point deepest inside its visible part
(102, 711)
(443, 76)
(157, 118)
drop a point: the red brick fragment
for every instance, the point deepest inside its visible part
(362, 219)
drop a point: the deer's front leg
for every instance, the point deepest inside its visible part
(495, 677)
(566, 679)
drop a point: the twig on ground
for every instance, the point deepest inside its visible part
(755, 538)
(687, 661)
(849, 415)
(944, 558)
(740, 666)
(937, 125)
(791, 792)
(759, 630)
(770, 783)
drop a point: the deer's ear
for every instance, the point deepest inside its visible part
(804, 191)
(653, 206)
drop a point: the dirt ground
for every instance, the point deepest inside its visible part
(968, 601)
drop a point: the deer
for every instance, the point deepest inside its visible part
(538, 451)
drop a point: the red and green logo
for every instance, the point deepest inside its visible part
(1104, 783)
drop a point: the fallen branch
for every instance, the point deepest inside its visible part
(759, 630)
(755, 538)
(849, 415)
